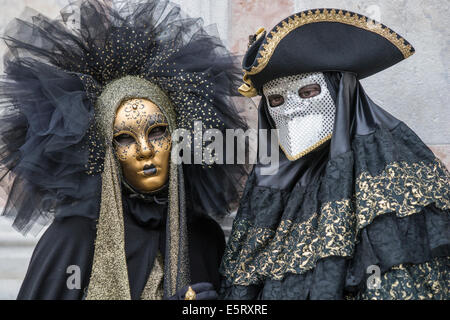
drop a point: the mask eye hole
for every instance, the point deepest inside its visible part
(275, 100)
(157, 132)
(309, 91)
(124, 139)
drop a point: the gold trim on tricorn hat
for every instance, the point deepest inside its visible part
(261, 51)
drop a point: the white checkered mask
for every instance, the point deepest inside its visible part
(304, 123)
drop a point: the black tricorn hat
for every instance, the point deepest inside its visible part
(321, 40)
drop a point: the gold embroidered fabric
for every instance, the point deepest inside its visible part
(402, 188)
(425, 281)
(254, 253)
(292, 247)
(174, 226)
(109, 275)
(154, 288)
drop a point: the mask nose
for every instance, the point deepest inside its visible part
(146, 150)
(294, 107)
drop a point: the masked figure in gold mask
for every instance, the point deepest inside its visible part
(143, 145)
(87, 126)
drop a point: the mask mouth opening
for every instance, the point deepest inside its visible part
(149, 170)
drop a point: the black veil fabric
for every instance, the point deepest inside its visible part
(44, 119)
(373, 195)
(356, 115)
(50, 153)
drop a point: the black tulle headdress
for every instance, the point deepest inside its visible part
(53, 150)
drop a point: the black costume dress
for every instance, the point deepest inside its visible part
(70, 241)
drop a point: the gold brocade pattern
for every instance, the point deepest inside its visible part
(254, 253)
(292, 248)
(402, 188)
(425, 281)
(328, 15)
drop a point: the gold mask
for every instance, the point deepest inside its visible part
(142, 144)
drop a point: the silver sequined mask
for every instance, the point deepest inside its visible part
(303, 123)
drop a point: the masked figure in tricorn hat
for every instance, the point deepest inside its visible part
(88, 110)
(359, 206)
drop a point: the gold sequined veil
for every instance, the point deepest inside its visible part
(109, 277)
